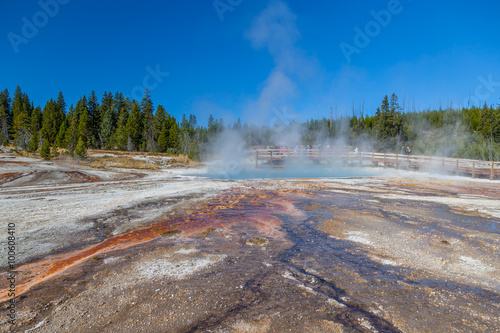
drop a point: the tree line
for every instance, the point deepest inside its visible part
(117, 123)
(114, 122)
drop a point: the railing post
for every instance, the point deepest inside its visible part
(385, 160)
(396, 161)
(492, 176)
(473, 169)
(456, 170)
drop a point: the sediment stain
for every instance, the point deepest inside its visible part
(233, 206)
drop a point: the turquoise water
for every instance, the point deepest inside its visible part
(233, 170)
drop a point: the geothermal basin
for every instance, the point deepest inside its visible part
(171, 250)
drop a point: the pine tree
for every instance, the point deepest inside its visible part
(193, 153)
(59, 115)
(108, 127)
(496, 126)
(163, 138)
(212, 126)
(84, 129)
(51, 121)
(45, 150)
(21, 108)
(160, 118)
(384, 120)
(121, 135)
(149, 126)
(385, 129)
(220, 125)
(17, 102)
(106, 104)
(173, 137)
(5, 117)
(237, 125)
(33, 142)
(4, 125)
(186, 133)
(21, 130)
(184, 122)
(134, 126)
(34, 130)
(61, 104)
(36, 119)
(61, 136)
(192, 125)
(94, 120)
(71, 139)
(119, 102)
(486, 120)
(80, 105)
(80, 150)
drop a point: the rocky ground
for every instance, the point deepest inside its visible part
(103, 248)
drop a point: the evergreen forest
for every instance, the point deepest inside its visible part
(114, 122)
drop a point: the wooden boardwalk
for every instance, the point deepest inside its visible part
(456, 166)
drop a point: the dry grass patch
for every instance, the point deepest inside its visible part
(131, 163)
(23, 153)
(122, 161)
(136, 160)
(183, 159)
(97, 163)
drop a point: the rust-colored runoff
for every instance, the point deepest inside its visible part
(254, 206)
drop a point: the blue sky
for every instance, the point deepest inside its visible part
(257, 60)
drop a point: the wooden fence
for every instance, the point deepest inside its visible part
(457, 166)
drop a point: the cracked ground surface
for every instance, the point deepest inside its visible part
(115, 251)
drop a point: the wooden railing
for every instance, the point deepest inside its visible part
(457, 166)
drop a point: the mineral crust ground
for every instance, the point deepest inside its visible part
(121, 250)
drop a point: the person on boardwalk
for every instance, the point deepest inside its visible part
(403, 150)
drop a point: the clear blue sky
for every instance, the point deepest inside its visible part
(255, 59)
